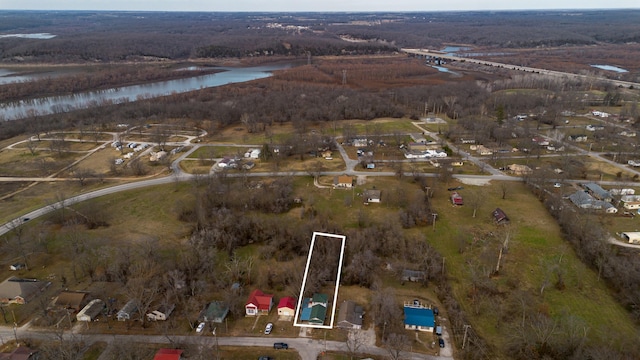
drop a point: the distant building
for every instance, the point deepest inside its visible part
(343, 182)
(598, 192)
(215, 311)
(372, 196)
(89, 312)
(500, 217)
(258, 303)
(350, 315)
(19, 291)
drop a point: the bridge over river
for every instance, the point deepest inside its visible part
(438, 54)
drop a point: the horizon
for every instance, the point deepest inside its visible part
(328, 6)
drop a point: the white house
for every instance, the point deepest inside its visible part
(162, 313)
(89, 312)
(633, 237)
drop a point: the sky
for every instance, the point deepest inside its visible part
(317, 5)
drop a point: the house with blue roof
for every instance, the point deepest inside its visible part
(418, 317)
(314, 309)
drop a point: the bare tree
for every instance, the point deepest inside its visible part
(396, 343)
(356, 339)
(475, 198)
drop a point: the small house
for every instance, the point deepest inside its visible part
(168, 354)
(258, 303)
(71, 300)
(598, 192)
(91, 310)
(314, 309)
(418, 317)
(578, 138)
(161, 313)
(372, 196)
(413, 275)
(350, 315)
(215, 311)
(287, 306)
(343, 182)
(500, 217)
(632, 237)
(319, 304)
(128, 310)
(19, 291)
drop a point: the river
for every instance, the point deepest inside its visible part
(57, 104)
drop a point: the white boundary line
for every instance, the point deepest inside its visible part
(304, 281)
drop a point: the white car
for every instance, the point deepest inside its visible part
(200, 327)
(268, 328)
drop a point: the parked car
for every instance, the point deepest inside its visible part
(280, 345)
(441, 342)
(265, 358)
(439, 330)
(17, 266)
(268, 328)
(200, 327)
(455, 188)
(436, 311)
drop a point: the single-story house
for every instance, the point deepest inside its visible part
(314, 309)
(19, 291)
(632, 205)
(343, 181)
(578, 138)
(518, 169)
(598, 192)
(157, 156)
(413, 275)
(482, 150)
(417, 317)
(360, 142)
(127, 310)
(633, 237)
(350, 315)
(500, 217)
(71, 300)
(20, 353)
(372, 196)
(168, 354)
(89, 312)
(319, 304)
(584, 200)
(623, 191)
(287, 306)
(161, 313)
(258, 303)
(216, 311)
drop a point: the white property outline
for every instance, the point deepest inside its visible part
(304, 281)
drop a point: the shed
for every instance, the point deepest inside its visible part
(500, 217)
(456, 198)
(89, 312)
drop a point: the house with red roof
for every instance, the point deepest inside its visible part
(258, 303)
(168, 354)
(287, 306)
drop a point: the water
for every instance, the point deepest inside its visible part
(610, 68)
(59, 104)
(443, 69)
(41, 36)
(451, 50)
(7, 76)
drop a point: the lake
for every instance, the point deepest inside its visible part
(57, 104)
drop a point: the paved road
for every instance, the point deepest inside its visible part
(308, 348)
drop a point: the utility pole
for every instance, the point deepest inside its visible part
(344, 77)
(464, 339)
(434, 221)
(216, 336)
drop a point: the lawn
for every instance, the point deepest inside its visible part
(535, 247)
